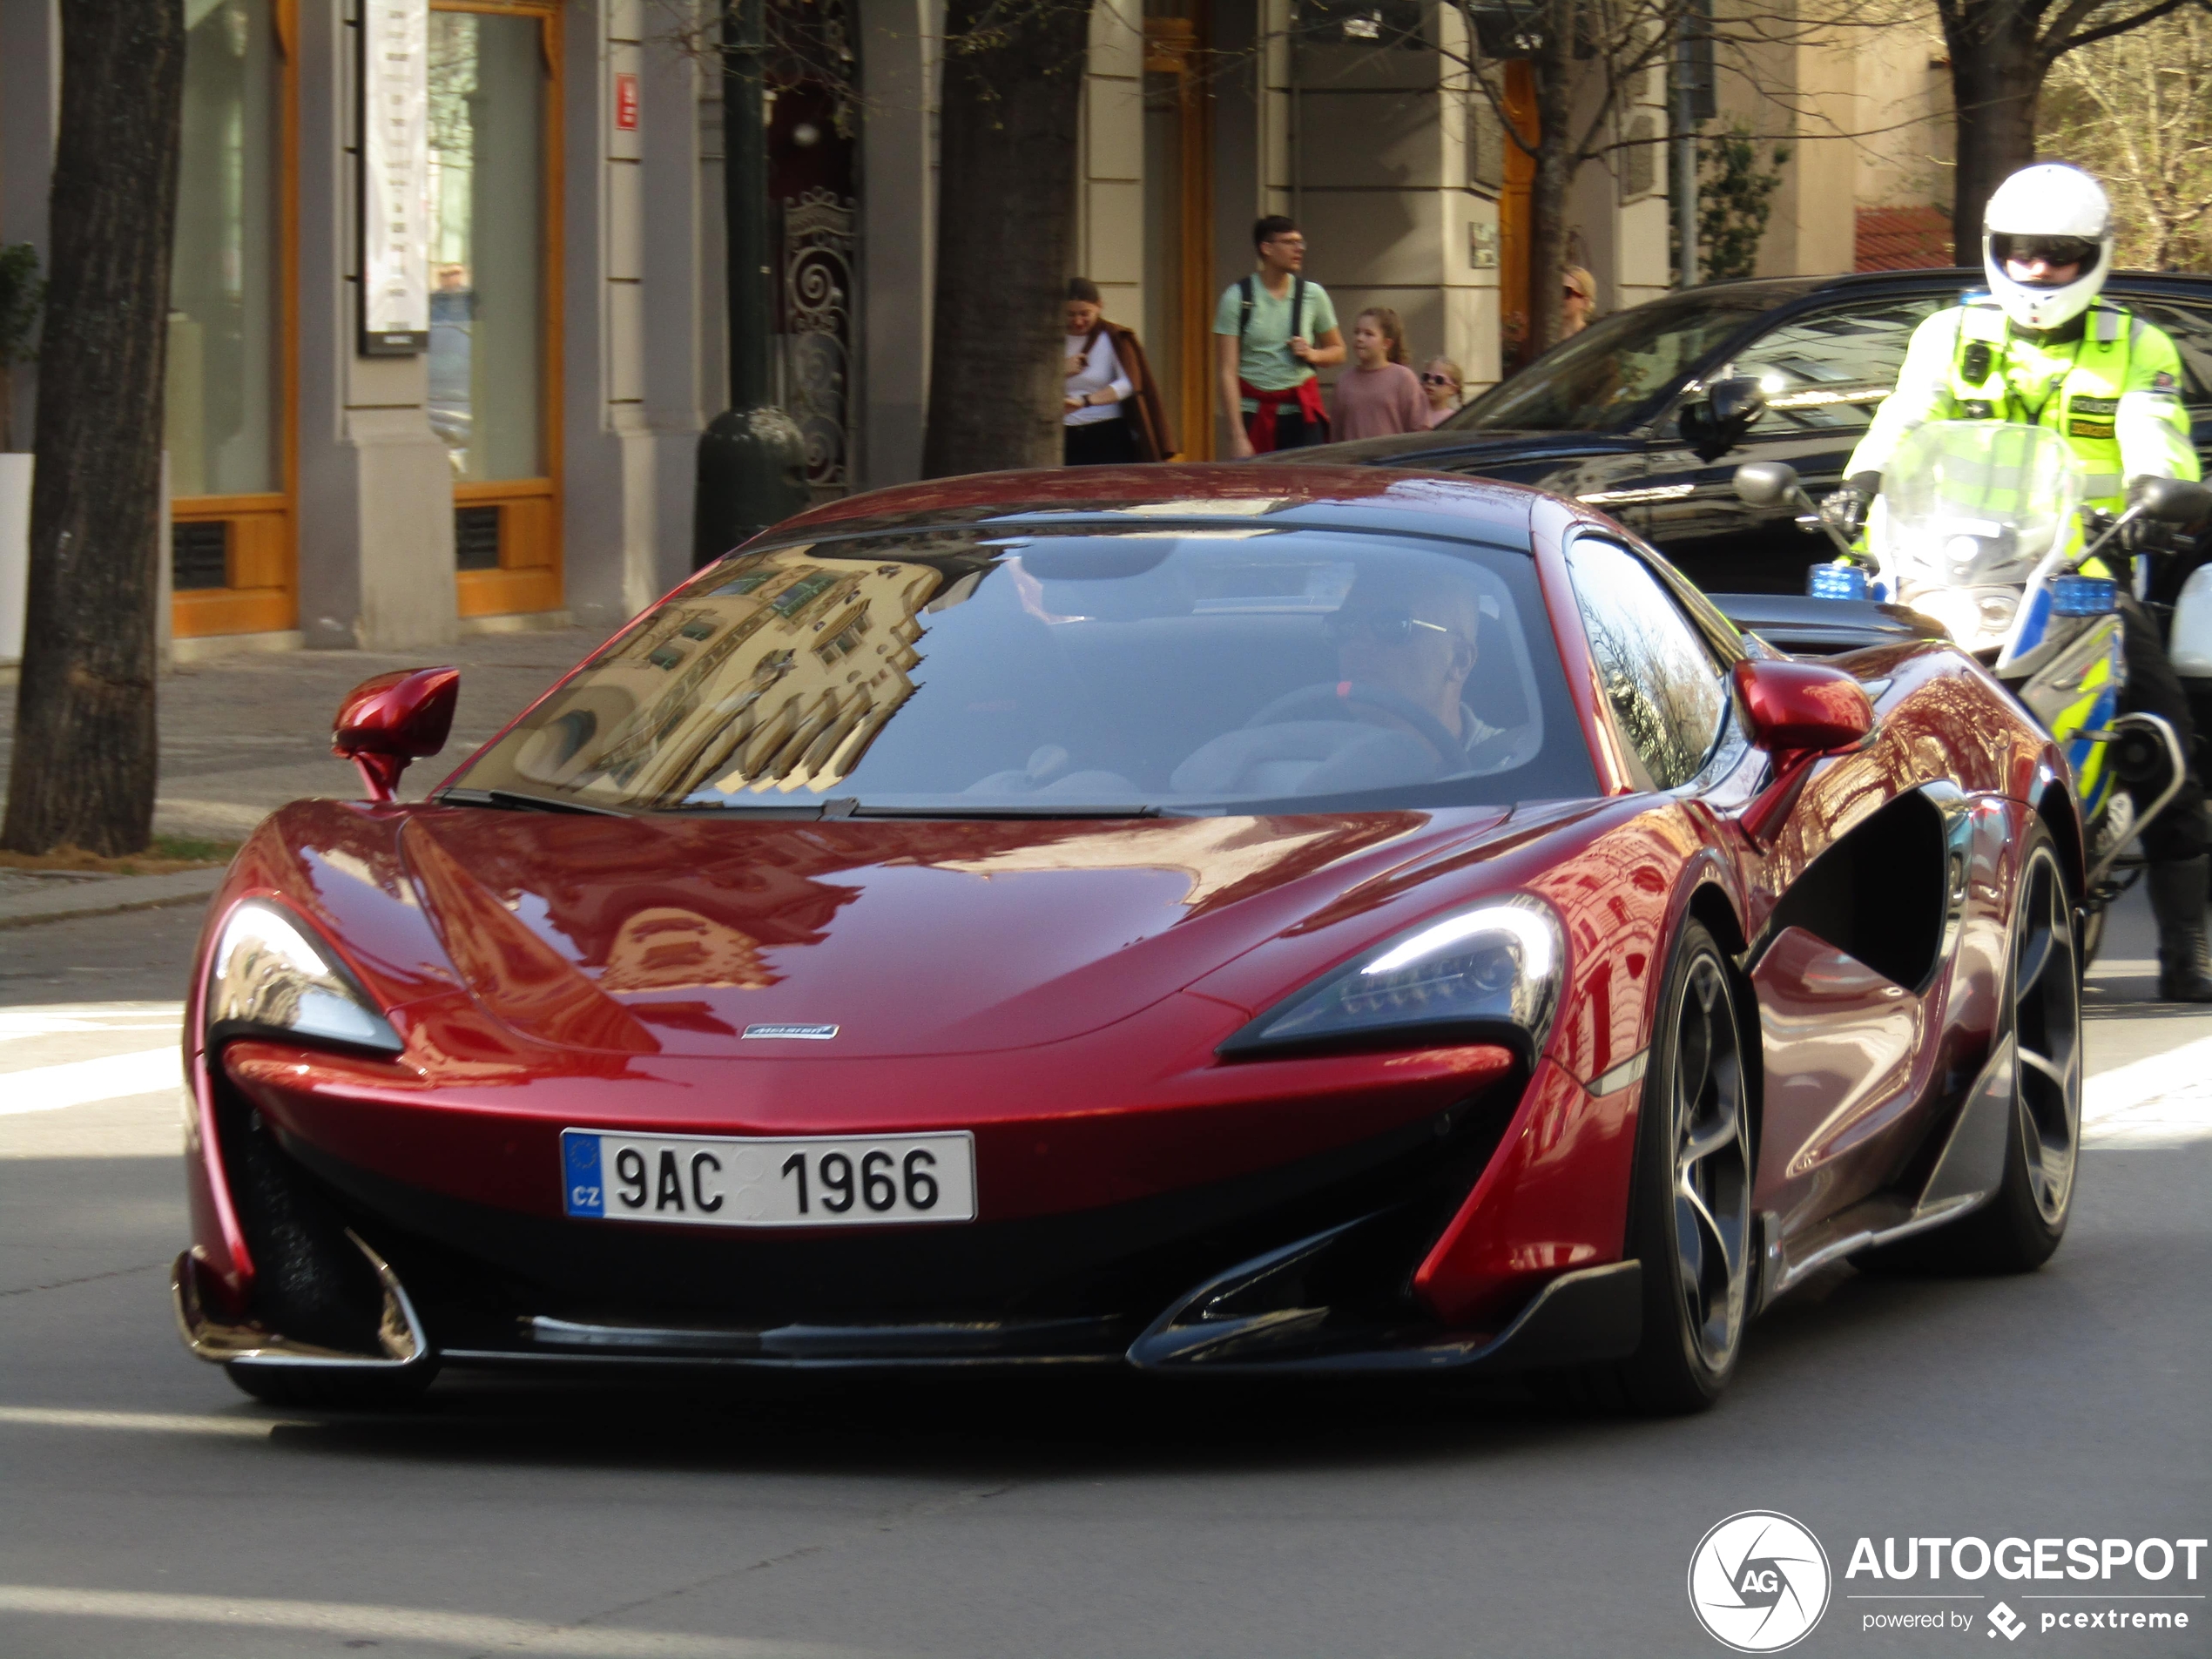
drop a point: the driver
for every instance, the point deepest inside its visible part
(1412, 641)
(2041, 347)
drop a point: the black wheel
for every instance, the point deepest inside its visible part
(2017, 1229)
(330, 1388)
(1689, 1212)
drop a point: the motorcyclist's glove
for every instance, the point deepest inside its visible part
(2147, 535)
(1846, 510)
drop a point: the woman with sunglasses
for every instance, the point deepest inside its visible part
(1441, 382)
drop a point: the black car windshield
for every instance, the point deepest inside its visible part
(977, 669)
(1614, 367)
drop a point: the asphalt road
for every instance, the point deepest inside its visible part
(151, 1510)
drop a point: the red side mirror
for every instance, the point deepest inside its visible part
(1798, 712)
(1803, 708)
(392, 719)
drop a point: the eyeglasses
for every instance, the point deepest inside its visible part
(2011, 247)
(1438, 379)
(1386, 627)
(1292, 242)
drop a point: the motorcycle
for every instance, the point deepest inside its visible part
(1980, 527)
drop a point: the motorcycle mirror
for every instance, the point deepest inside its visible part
(386, 722)
(1736, 402)
(2171, 501)
(1765, 483)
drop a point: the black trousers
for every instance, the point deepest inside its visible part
(2153, 688)
(1099, 443)
(1292, 430)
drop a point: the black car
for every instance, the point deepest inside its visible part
(1648, 413)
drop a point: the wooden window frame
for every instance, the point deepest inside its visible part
(261, 593)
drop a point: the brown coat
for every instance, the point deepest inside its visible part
(1146, 415)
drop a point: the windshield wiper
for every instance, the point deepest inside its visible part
(843, 806)
(514, 801)
(1001, 810)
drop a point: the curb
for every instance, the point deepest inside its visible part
(106, 898)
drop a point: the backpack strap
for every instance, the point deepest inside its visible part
(1297, 304)
(1244, 314)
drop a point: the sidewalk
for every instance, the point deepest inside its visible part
(241, 736)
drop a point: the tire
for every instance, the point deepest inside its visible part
(1690, 1221)
(2017, 1230)
(328, 1388)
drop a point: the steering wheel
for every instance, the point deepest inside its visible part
(1328, 701)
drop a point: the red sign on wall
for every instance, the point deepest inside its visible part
(625, 101)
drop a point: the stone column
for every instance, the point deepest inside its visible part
(375, 508)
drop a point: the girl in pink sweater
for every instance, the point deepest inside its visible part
(1380, 394)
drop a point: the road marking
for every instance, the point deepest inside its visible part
(359, 1622)
(2162, 1100)
(134, 1017)
(248, 1429)
(80, 1082)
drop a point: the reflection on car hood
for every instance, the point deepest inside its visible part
(675, 934)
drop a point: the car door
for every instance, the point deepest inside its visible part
(1825, 372)
(1843, 1010)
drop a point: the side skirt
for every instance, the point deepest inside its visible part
(1966, 1175)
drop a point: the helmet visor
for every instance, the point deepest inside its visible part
(2011, 245)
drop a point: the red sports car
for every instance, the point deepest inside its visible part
(1200, 919)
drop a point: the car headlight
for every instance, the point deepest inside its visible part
(1487, 974)
(267, 977)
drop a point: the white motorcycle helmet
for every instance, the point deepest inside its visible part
(2061, 214)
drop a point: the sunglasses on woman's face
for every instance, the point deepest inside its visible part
(1388, 627)
(1436, 380)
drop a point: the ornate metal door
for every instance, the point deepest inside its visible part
(813, 134)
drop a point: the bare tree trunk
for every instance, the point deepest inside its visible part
(1006, 208)
(1555, 168)
(1996, 77)
(85, 757)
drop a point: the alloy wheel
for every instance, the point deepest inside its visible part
(2047, 1030)
(1712, 1163)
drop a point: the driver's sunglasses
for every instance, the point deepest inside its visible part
(1389, 627)
(2051, 250)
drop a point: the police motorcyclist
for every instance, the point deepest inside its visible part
(2041, 347)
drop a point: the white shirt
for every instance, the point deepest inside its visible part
(1102, 368)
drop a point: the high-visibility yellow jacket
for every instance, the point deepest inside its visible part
(2114, 395)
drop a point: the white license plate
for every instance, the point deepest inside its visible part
(722, 1181)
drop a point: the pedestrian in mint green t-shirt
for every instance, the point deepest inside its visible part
(1272, 330)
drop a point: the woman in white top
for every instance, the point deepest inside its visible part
(1097, 433)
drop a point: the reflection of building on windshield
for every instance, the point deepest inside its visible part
(781, 675)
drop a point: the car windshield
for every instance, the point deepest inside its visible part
(983, 670)
(1615, 366)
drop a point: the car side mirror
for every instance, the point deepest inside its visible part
(1736, 402)
(1766, 483)
(1803, 708)
(386, 722)
(2171, 501)
(1714, 421)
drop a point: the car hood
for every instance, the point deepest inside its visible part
(676, 936)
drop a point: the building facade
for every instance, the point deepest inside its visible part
(526, 456)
